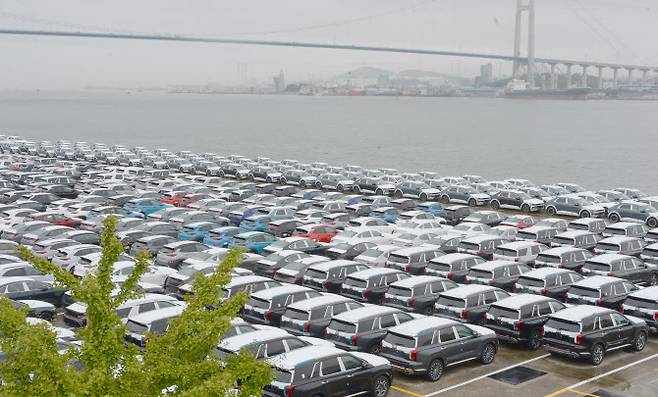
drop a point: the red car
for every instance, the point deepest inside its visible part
(173, 198)
(520, 221)
(319, 233)
(56, 219)
(192, 198)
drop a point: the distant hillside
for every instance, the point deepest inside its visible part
(365, 72)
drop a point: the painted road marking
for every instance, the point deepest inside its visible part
(485, 376)
(603, 375)
(582, 393)
(405, 391)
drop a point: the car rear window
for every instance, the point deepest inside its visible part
(316, 274)
(563, 325)
(505, 252)
(480, 273)
(355, 282)
(499, 311)
(398, 258)
(549, 258)
(296, 314)
(469, 246)
(439, 266)
(597, 266)
(451, 301)
(641, 303)
(607, 246)
(166, 250)
(563, 240)
(530, 282)
(342, 326)
(526, 235)
(582, 291)
(400, 340)
(399, 291)
(283, 376)
(259, 303)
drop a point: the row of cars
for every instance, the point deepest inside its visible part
(423, 287)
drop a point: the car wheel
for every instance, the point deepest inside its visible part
(488, 353)
(472, 202)
(318, 185)
(302, 184)
(525, 208)
(640, 342)
(652, 222)
(429, 310)
(445, 199)
(585, 214)
(435, 370)
(356, 190)
(379, 192)
(221, 174)
(340, 188)
(495, 204)
(251, 178)
(381, 386)
(652, 280)
(614, 218)
(47, 316)
(398, 194)
(423, 197)
(551, 211)
(268, 180)
(283, 181)
(375, 349)
(534, 342)
(598, 353)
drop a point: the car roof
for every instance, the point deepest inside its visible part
(519, 244)
(293, 358)
(493, 265)
(618, 239)
(11, 279)
(355, 315)
(246, 280)
(574, 233)
(419, 325)
(412, 281)
(542, 272)
(148, 298)
(560, 250)
(646, 293)
(520, 300)
(269, 293)
(373, 271)
(324, 266)
(579, 312)
(154, 315)
(237, 342)
(456, 256)
(596, 281)
(408, 251)
(319, 301)
(608, 258)
(622, 225)
(482, 237)
(464, 291)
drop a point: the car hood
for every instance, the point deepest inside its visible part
(480, 195)
(481, 330)
(594, 207)
(636, 320)
(77, 308)
(533, 201)
(431, 191)
(35, 304)
(372, 359)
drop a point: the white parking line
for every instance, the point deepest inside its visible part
(485, 376)
(603, 375)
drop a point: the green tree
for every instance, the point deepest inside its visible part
(178, 363)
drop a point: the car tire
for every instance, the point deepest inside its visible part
(283, 181)
(340, 188)
(534, 341)
(375, 349)
(640, 342)
(268, 180)
(551, 211)
(423, 197)
(435, 370)
(585, 214)
(495, 204)
(428, 310)
(652, 222)
(472, 202)
(652, 280)
(445, 199)
(597, 354)
(356, 190)
(46, 316)
(221, 174)
(302, 184)
(614, 218)
(488, 353)
(251, 178)
(318, 185)
(379, 192)
(525, 208)
(398, 194)
(381, 386)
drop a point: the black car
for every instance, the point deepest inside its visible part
(502, 274)
(370, 285)
(643, 304)
(429, 345)
(326, 371)
(268, 305)
(311, 317)
(417, 294)
(329, 276)
(563, 257)
(273, 262)
(25, 288)
(468, 303)
(520, 318)
(363, 329)
(453, 266)
(293, 273)
(622, 266)
(349, 251)
(602, 291)
(456, 213)
(590, 332)
(547, 281)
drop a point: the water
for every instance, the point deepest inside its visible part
(598, 144)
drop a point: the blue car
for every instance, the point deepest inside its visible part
(221, 236)
(236, 217)
(435, 209)
(389, 214)
(146, 206)
(196, 231)
(257, 223)
(253, 241)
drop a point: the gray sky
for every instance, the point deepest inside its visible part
(602, 30)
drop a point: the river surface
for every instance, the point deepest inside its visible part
(598, 144)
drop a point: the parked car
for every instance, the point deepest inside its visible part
(483, 245)
(412, 260)
(468, 303)
(417, 294)
(519, 251)
(628, 229)
(429, 345)
(502, 274)
(643, 304)
(329, 276)
(576, 238)
(587, 332)
(547, 281)
(453, 266)
(275, 261)
(563, 257)
(268, 305)
(516, 200)
(370, 285)
(491, 218)
(311, 317)
(622, 266)
(254, 241)
(173, 254)
(620, 245)
(463, 195)
(26, 288)
(602, 291)
(633, 212)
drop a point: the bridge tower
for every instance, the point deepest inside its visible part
(525, 6)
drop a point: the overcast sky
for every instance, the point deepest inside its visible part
(602, 30)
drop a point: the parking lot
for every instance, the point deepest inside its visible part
(620, 375)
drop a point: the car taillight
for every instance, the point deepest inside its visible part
(325, 284)
(464, 314)
(407, 268)
(450, 275)
(413, 355)
(621, 308)
(366, 293)
(518, 325)
(492, 283)
(268, 315)
(579, 339)
(486, 317)
(541, 330)
(514, 287)
(517, 259)
(355, 340)
(288, 391)
(599, 302)
(544, 291)
(307, 326)
(171, 254)
(411, 301)
(655, 316)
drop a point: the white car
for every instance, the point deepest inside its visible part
(353, 237)
(371, 223)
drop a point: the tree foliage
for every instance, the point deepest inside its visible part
(177, 363)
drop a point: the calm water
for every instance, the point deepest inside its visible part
(597, 144)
